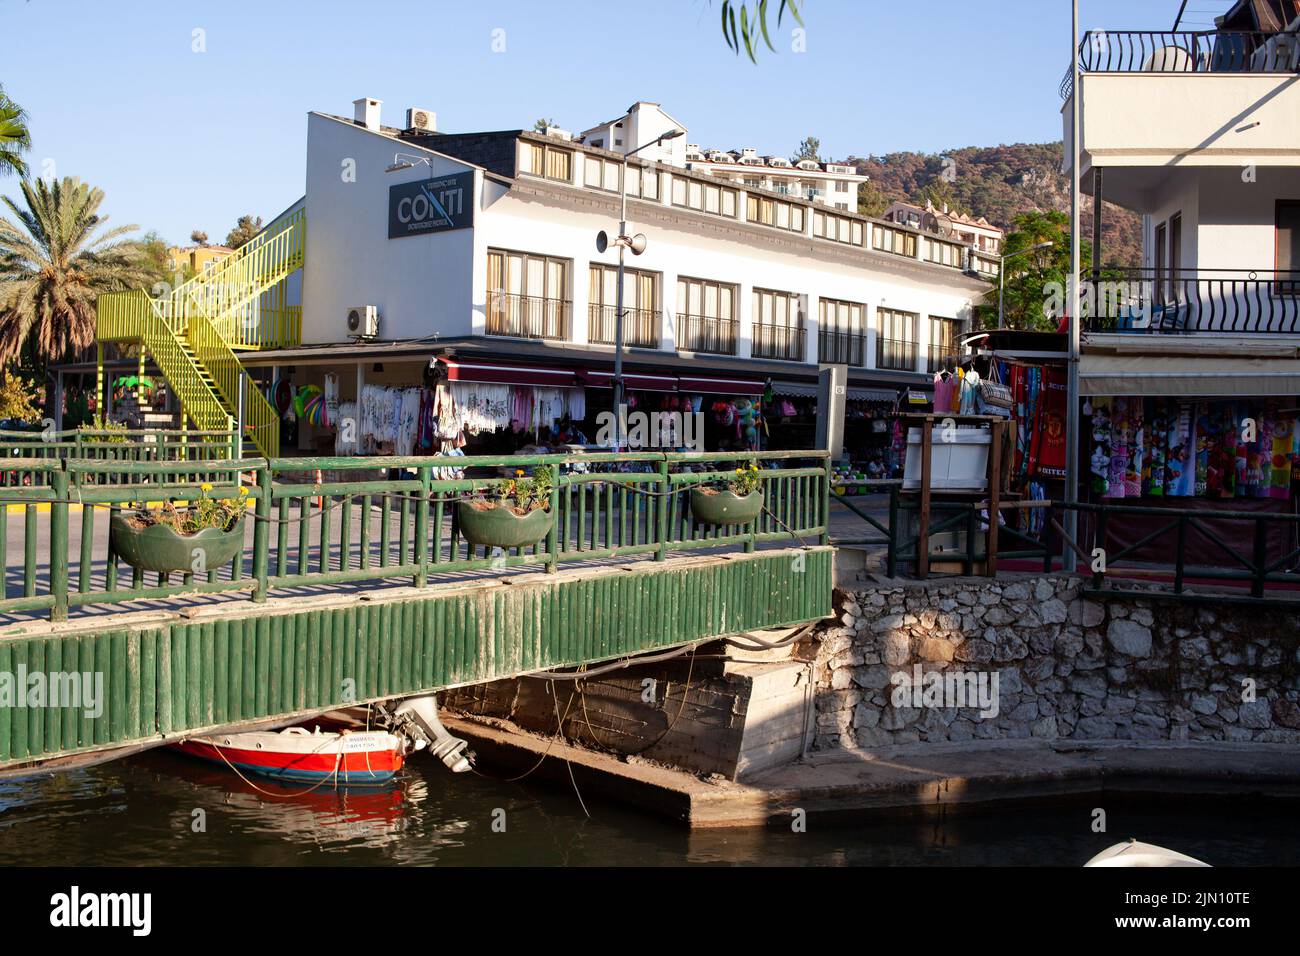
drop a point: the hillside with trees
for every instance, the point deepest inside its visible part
(998, 183)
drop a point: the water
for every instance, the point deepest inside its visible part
(139, 811)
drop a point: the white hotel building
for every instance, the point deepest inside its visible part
(739, 287)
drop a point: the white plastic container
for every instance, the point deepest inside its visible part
(959, 459)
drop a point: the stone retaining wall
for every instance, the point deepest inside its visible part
(1062, 666)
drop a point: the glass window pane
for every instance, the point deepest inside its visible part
(611, 176)
(679, 191)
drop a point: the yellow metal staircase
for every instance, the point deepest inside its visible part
(195, 331)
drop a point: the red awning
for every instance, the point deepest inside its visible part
(720, 386)
(631, 382)
(498, 374)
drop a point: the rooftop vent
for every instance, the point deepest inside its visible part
(365, 111)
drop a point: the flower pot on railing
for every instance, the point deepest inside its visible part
(159, 547)
(501, 526)
(714, 507)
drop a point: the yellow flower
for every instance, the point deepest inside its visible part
(740, 471)
(206, 486)
(243, 492)
(519, 472)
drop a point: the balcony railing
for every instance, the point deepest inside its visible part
(527, 316)
(937, 355)
(774, 341)
(1206, 51)
(896, 354)
(706, 333)
(640, 326)
(841, 347)
(1192, 300)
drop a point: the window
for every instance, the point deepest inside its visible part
(896, 342)
(837, 228)
(603, 174)
(943, 253)
(777, 329)
(706, 316)
(943, 341)
(545, 160)
(640, 307)
(1287, 251)
(704, 197)
(774, 212)
(527, 295)
(841, 332)
(894, 241)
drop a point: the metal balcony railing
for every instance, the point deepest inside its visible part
(1192, 301)
(640, 326)
(1205, 51)
(842, 347)
(706, 333)
(527, 316)
(896, 354)
(774, 341)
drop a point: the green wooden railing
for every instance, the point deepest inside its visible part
(333, 521)
(115, 445)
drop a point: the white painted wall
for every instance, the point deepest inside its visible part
(419, 283)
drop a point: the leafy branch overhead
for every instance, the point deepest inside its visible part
(749, 27)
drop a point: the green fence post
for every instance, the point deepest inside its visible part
(826, 500)
(665, 503)
(422, 529)
(753, 525)
(891, 555)
(262, 533)
(58, 546)
(553, 536)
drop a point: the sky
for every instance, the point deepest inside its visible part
(189, 114)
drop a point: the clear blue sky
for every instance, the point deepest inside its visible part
(181, 140)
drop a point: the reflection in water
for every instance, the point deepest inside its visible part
(141, 811)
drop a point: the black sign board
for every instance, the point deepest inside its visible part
(431, 205)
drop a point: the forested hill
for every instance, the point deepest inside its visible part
(998, 183)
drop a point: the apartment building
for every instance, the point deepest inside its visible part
(975, 231)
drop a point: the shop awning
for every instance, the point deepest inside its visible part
(1193, 376)
(493, 374)
(872, 395)
(719, 386)
(631, 382)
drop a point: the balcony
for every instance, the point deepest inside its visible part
(1152, 99)
(706, 333)
(527, 316)
(640, 326)
(898, 355)
(1255, 301)
(936, 355)
(773, 341)
(841, 347)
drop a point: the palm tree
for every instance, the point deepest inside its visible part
(53, 265)
(14, 138)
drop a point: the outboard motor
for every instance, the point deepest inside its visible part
(417, 719)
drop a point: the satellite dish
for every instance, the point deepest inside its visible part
(602, 241)
(637, 245)
(938, 223)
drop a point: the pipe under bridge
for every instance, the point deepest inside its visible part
(355, 585)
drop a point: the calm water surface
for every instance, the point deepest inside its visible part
(139, 812)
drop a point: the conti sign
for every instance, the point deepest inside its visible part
(431, 205)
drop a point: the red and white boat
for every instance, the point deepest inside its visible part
(344, 758)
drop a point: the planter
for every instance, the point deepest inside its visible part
(725, 507)
(162, 549)
(500, 527)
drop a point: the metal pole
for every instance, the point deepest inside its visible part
(1072, 385)
(239, 423)
(1002, 266)
(618, 309)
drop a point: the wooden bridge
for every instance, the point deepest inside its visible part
(354, 585)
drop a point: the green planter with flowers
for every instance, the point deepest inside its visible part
(516, 514)
(196, 539)
(738, 504)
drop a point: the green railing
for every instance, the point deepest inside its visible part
(115, 445)
(385, 519)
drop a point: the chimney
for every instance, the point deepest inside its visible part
(365, 112)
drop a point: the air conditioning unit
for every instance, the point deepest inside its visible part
(363, 321)
(424, 121)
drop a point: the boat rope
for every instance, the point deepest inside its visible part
(545, 753)
(686, 690)
(338, 760)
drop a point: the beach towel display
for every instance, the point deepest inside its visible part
(1100, 447)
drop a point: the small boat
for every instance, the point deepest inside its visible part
(296, 754)
(1134, 853)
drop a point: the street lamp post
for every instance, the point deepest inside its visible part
(1002, 262)
(637, 245)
